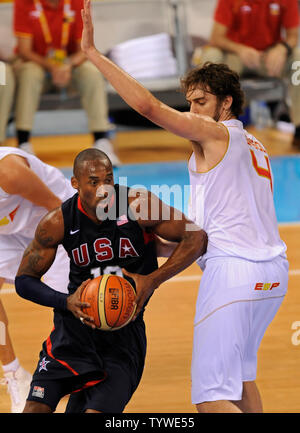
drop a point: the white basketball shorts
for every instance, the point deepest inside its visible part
(237, 301)
(12, 248)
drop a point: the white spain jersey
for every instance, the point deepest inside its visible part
(18, 215)
(233, 201)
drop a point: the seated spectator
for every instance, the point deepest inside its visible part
(48, 48)
(259, 36)
(6, 100)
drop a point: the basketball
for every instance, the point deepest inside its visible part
(111, 300)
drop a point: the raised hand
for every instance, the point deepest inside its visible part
(87, 39)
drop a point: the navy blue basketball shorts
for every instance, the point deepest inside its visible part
(101, 370)
(108, 395)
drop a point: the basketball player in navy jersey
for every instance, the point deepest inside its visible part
(107, 366)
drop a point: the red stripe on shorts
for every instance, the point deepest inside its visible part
(49, 351)
(89, 384)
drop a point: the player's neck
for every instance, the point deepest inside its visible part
(226, 116)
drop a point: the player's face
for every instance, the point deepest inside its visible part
(94, 185)
(203, 102)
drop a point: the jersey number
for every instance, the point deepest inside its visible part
(261, 171)
(114, 270)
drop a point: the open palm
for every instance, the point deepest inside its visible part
(87, 40)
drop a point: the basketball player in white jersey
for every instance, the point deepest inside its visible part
(28, 190)
(245, 268)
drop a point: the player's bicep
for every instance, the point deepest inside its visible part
(36, 260)
(41, 252)
(192, 126)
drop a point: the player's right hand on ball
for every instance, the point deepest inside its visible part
(144, 286)
(75, 305)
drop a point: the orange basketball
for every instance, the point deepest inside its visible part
(111, 300)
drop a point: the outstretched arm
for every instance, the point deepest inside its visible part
(188, 125)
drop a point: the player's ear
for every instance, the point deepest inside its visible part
(227, 102)
(74, 182)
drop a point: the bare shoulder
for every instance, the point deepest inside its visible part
(211, 151)
(50, 230)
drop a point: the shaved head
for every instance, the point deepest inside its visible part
(91, 154)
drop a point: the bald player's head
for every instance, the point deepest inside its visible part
(87, 155)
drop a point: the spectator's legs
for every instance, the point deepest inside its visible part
(215, 55)
(6, 101)
(30, 80)
(91, 86)
(234, 62)
(211, 54)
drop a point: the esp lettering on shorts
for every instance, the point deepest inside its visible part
(265, 286)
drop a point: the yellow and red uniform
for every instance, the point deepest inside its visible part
(257, 23)
(51, 28)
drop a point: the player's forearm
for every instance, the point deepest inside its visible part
(192, 246)
(42, 197)
(133, 93)
(36, 291)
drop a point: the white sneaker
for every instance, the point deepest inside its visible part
(105, 145)
(27, 147)
(18, 385)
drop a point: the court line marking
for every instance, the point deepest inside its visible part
(180, 279)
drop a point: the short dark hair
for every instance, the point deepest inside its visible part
(220, 79)
(89, 155)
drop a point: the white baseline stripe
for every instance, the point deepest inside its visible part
(181, 279)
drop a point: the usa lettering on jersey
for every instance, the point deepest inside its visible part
(103, 251)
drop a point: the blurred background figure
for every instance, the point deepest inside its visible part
(48, 36)
(6, 99)
(261, 37)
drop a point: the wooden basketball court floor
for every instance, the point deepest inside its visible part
(165, 386)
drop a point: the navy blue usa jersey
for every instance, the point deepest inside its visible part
(104, 248)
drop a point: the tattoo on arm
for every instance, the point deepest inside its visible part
(43, 238)
(34, 262)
